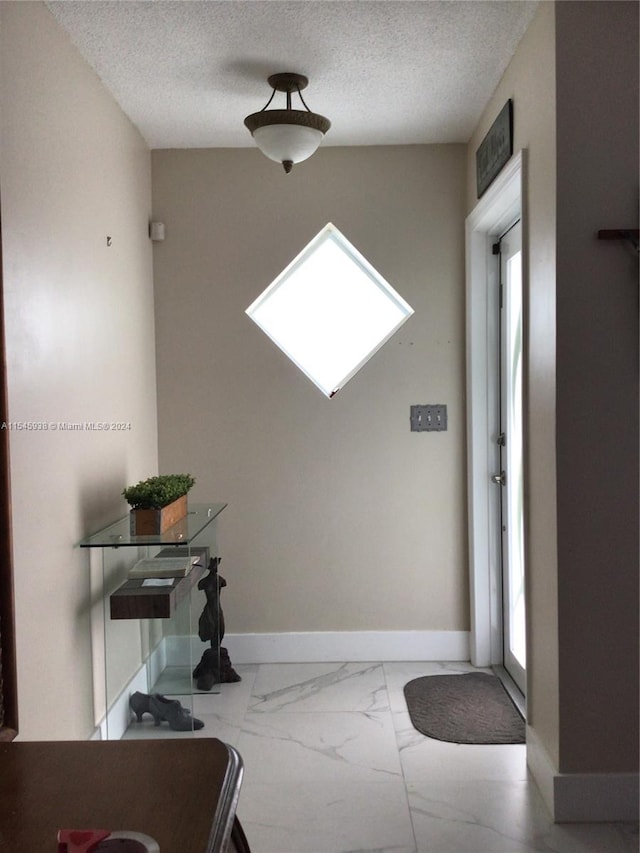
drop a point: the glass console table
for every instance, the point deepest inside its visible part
(152, 627)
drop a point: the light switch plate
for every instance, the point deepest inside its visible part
(429, 417)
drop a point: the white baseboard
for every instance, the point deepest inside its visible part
(582, 797)
(596, 797)
(542, 768)
(332, 646)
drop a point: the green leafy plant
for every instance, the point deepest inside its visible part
(159, 491)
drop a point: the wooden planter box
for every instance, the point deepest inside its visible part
(151, 522)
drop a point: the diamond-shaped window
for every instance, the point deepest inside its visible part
(329, 310)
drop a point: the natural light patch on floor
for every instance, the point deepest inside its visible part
(329, 310)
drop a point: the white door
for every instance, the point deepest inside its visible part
(510, 478)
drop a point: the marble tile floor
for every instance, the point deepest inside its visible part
(333, 765)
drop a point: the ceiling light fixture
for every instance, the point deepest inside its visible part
(287, 136)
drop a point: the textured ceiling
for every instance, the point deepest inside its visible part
(385, 72)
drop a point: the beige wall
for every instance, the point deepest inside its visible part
(339, 517)
(597, 386)
(530, 82)
(80, 346)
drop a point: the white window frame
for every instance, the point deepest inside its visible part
(403, 310)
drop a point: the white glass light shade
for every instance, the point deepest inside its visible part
(287, 142)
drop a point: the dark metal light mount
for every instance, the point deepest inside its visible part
(287, 82)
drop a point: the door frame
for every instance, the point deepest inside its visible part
(502, 203)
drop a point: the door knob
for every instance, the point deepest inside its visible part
(499, 479)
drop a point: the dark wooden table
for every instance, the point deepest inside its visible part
(183, 793)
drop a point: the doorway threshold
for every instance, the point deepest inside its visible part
(515, 694)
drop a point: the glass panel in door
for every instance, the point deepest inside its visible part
(512, 489)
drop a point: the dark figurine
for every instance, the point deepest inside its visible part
(210, 670)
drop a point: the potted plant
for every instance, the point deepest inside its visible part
(157, 503)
